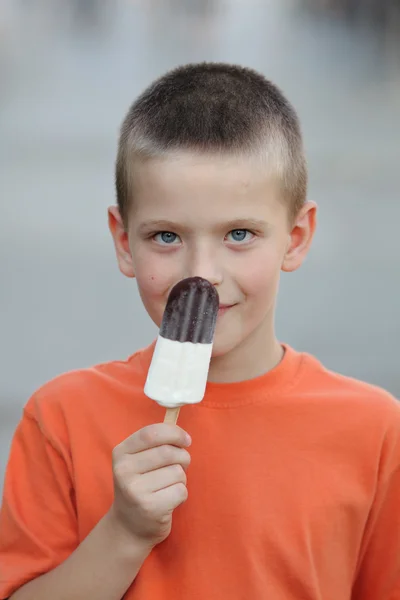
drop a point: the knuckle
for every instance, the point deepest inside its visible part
(166, 453)
(179, 471)
(120, 470)
(179, 474)
(182, 491)
(164, 519)
(124, 471)
(148, 436)
(186, 458)
(116, 453)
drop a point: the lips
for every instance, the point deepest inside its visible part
(224, 307)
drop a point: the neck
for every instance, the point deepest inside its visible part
(263, 348)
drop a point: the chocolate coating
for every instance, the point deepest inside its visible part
(191, 312)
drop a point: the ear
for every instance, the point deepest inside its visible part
(301, 237)
(121, 242)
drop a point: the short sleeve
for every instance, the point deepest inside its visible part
(38, 526)
(378, 575)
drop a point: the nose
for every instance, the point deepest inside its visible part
(204, 263)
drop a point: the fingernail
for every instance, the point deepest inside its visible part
(188, 439)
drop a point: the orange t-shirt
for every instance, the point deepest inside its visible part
(294, 484)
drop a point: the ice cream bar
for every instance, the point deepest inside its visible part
(179, 367)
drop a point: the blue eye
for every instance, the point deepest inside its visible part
(239, 235)
(166, 237)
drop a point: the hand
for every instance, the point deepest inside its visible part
(149, 470)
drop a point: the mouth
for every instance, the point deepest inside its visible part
(223, 308)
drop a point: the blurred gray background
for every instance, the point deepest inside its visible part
(69, 69)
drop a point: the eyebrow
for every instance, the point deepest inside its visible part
(157, 224)
(239, 223)
(247, 223)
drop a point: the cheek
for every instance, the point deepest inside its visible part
(154, 277)
(151, 286)
(261, 276)
(152, 281)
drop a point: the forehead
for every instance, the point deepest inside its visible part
(198, 184)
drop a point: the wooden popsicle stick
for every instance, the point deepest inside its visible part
(171, 415)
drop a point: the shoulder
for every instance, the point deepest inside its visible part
(358, 395)
(87, 389)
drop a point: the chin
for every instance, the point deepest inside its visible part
(223, 347)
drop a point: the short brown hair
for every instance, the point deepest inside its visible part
(214, 107)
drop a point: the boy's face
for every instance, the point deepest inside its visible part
(220, 218)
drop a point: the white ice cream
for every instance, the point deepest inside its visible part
(178, 372)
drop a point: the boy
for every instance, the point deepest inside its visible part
(293, 487)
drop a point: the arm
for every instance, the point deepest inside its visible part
(102, 567)
(378, 573)
(40, 555)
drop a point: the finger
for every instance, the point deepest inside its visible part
(162, 478)
(153, 436)
(169, 498)
(162, 456)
